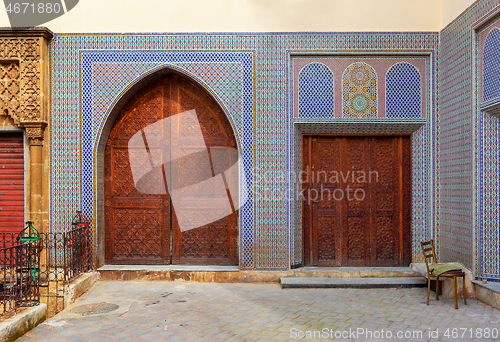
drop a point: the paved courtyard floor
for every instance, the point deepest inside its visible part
(171, 311)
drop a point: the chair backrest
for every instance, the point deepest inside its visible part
(429, 253)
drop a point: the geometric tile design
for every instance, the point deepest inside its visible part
(316, 91)
(491, 66)
(422, 179)
(463, 141)
(462, 170)
(403, 92)
(489, 232)
(89, 72)
(382, 64)
(359, 91)
(490, 177)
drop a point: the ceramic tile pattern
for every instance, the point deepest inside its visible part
(359, 91)
(255, 78)
(316, 91)
(248, 74)
(414, 121)
(403, 93)
(466, 147)
(404, 81)
(488, 41)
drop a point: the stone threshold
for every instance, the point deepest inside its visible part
(359, 283)
(175, 268)
(354, 269)
(214, 268)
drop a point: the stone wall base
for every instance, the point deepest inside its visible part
(16, 324)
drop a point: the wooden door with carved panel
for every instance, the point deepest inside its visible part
(356, 202)
(142, 228)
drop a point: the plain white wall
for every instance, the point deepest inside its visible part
(255, 15)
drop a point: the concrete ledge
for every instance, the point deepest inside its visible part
(231, 274)
(358, 283)
(79, 286)
(17, 324)
(446, 284)
(488, 293)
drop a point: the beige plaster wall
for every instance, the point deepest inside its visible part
(452, 9)
(255, 15)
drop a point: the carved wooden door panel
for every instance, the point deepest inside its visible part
(367, 221)
(137, 224)
(214, 243)
(323, 244)
(143, 228)
(356, 201)
(390, 201)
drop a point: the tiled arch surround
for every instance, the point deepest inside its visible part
(250, 76)
(487, 255)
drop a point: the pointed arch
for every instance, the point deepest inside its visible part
(491, 66)
(214, 119)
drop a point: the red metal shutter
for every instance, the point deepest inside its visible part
(11, 182)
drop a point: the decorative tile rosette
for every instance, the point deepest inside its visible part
(359, 91)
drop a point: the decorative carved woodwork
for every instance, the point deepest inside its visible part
(22, 70)
(361, 213)
(143, 228)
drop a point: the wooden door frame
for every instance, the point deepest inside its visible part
(307, 236)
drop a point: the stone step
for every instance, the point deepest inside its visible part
(358, 283)
(354, 272)
(233, 274)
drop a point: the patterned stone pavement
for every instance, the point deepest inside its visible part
(173, 311)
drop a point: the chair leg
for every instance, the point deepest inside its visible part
(437, 288)
(465, 292)
(455, 291)
(428, 288)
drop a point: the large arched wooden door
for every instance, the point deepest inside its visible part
(142, 228)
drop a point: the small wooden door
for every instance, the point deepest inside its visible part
(143, 228)
(356, 203)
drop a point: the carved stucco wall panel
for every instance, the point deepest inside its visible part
(21, 70)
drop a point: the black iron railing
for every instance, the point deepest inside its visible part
(37, 267)
(19, 273)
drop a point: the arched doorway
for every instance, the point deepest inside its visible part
(143, 228)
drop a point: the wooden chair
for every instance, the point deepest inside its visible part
(430, 253)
